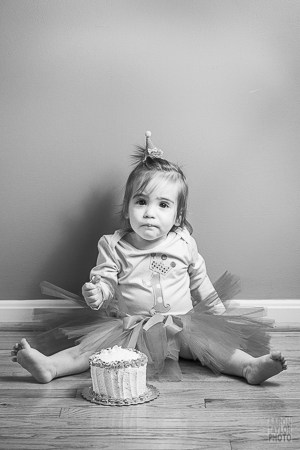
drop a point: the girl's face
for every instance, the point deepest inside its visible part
(153, 212)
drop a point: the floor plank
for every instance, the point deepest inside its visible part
(250, 404)
(163, 441)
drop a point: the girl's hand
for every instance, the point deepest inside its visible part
(92, 295)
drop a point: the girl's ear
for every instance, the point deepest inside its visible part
(178, 220)
(125, 214)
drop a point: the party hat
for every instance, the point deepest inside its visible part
(151, 150)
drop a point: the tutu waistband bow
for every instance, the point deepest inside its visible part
(136, 322)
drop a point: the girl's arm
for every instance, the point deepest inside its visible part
(104, 276)
(202, 289)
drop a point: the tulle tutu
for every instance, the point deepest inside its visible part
(199, 334)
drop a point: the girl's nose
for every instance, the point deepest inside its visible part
(149, 212)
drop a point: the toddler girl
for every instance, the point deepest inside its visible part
(150, 291)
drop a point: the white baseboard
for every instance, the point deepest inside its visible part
(285, 312)
(14, 311)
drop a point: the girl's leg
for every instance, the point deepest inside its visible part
(241, 364)
(45, 368)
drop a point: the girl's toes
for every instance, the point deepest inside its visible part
(276, 355)
(24, 344)
(15, 349)
(283, 361)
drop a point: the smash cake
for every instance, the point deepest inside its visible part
(119, 378)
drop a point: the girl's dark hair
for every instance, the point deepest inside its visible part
(140, 177)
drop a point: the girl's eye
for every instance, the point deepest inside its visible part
(141, 201)
(164, 205)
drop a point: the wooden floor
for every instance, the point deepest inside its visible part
(201, 412)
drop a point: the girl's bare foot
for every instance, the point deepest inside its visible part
(39, 365)
(264, 367)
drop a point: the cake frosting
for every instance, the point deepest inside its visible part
(118, 374)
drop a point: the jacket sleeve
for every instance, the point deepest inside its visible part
(202, 289)
(107, 268)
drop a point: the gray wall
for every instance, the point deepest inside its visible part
(217, 82)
